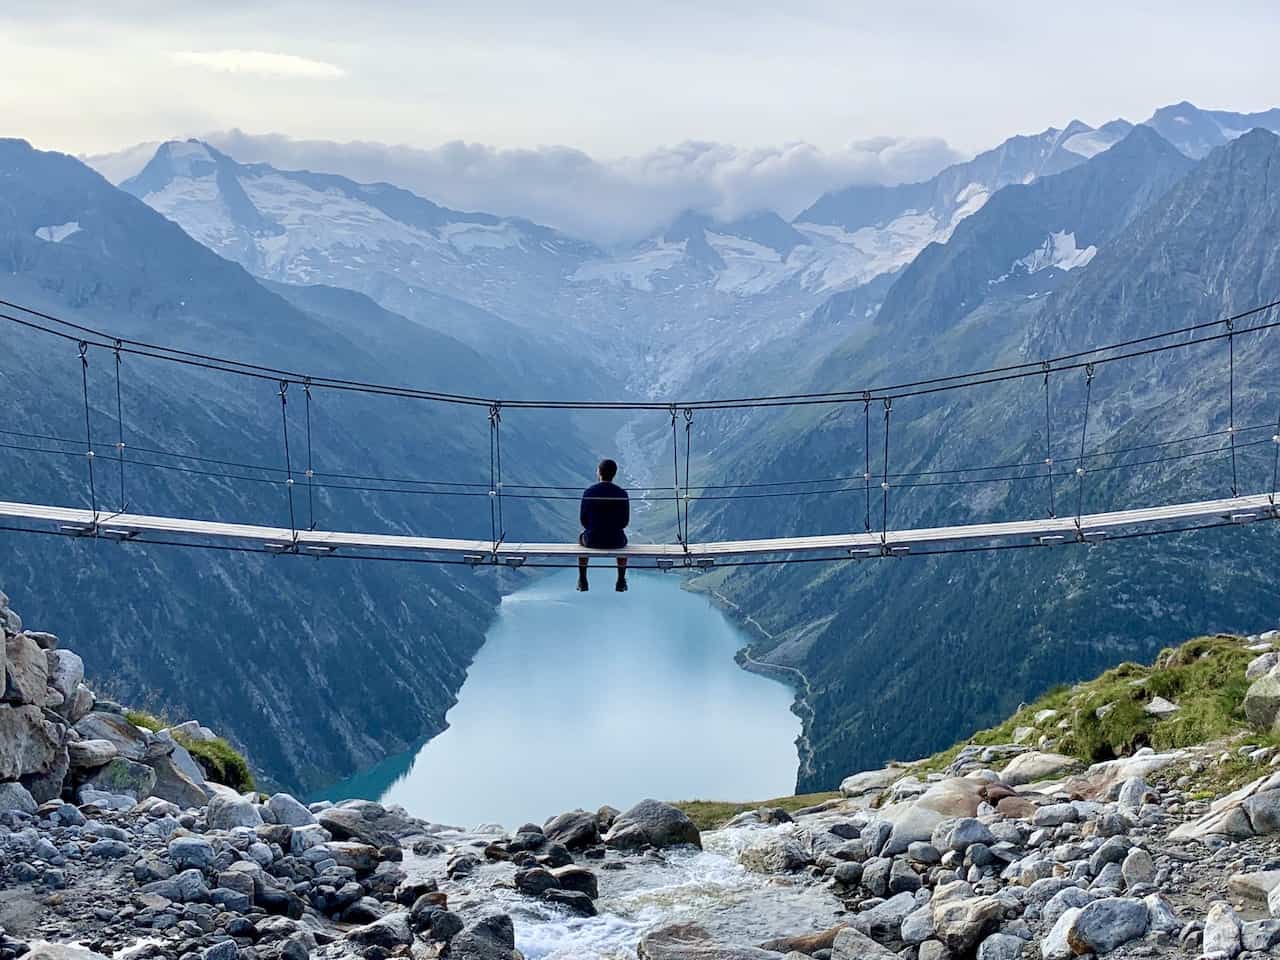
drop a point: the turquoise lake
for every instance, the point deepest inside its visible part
(578, 700)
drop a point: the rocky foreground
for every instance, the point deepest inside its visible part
(114, 844)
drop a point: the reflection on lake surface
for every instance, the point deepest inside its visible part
(578, 700)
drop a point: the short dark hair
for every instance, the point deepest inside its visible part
(608, 469)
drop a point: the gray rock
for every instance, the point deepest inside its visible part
(1000, 946)
(222, 950)
(91, 754)
(775, 854)
(960, 834)
(575, 829)
(883, 922)
(1273, 902)
(26, 672)
(122, 776)
(290, 811)
(573, 900)
(961, 923)
(1105, 924)
(304, 838)
(1055, 946)
(189, 852)
(1262, 701)
(653, 823)
(27, 742)
(47, 784)
(1261, 665)
(1263, 811)
(492, 938)
(1138, 868)
(851, 944)
(917, 926)
(535, 881)
(1055, 814)
(131, 742)
(1260, 935)
(1222, 930)
(81, 704)
(226, 812)
(14, 796)
(389, 932)
(179, 779)
(350, 824)
(1160, 915)
(65, 672)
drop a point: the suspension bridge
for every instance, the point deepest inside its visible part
(98, 520)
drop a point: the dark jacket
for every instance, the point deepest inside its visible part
(605, 513)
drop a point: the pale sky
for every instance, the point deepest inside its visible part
(617, 79)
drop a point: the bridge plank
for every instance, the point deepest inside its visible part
(974, 534)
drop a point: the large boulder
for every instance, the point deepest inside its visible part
(961, 921)
(883, 922)
(576, 829)
(852, 944)
(390, 932)
(1262, 701)
(350, 824)
(14, 796)
(179, 779)
(290, 811)
(42, 950)
(91, 754)
(776, 854)
(130, 741)
(652, 823)
(26, 671)
(869, 784)
(126, 777)
(1105, 924)
(1035, 766)
(492, 938)
(1234, 814)
(28, 743)
(688, 941)
(228, 810)
(66, 671)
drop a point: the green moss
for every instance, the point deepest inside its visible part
(221, 762)
(710, 814)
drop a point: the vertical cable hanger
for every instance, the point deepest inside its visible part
(495, 477)
(88, 431)
(1084, 430)
(884, 482)
(1048, 442)
(675, 467)
(1231, 403)
(124, 503)
(688, 443)
(866, 447)
(310, 474)
(288, 463)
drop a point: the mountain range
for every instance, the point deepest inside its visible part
(1073, 236)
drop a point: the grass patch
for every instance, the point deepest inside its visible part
(222, 763)
(1204, 677)
(711, 814)
(147, 721)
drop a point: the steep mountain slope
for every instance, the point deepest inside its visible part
(262, 646)
(868, 636)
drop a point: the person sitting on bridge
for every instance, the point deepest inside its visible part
(605, 513)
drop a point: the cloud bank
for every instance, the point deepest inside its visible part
(257, 62)
(606, 201)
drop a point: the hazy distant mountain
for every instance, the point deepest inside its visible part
(1195, 132)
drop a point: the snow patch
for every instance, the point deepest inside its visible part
(465, 237)
(635, 271)
(1089, 144)
(1058, 250)
(58, 232)
(184, 156)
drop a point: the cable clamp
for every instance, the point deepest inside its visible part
(495, 412)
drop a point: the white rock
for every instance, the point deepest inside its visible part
(1222, 930)
(1160, 707)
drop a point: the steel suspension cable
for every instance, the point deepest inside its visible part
(88, 430)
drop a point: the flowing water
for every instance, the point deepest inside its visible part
(578, 700)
